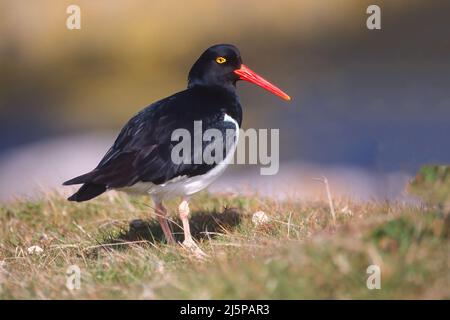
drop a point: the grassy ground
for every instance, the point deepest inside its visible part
(298, 253)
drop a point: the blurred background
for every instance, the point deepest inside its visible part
(369, 106)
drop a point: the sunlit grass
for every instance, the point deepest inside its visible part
(298, 253)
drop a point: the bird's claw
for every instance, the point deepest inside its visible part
(194, 249)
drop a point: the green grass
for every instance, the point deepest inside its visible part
(432, 184)
(298, 254)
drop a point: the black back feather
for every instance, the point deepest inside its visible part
(142, 151)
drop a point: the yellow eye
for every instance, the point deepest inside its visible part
(221, 60)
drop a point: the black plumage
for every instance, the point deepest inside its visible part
(142, 151)
(141, 157)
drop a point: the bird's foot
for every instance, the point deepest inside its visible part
(194, 249)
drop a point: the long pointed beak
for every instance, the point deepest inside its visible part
(247, 74)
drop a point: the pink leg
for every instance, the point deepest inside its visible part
(183, 211)
(161, 213)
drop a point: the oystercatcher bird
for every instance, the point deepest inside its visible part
(140, 160)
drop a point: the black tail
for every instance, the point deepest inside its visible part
(87, 192)
(84, 178)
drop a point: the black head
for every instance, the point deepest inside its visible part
(216, 67)
(221, 65)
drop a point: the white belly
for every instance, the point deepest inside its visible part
(184, 185)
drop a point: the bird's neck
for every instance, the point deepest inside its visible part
(215, 99)
(229, 88)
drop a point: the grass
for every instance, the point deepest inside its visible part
(299, 253)
(432, 184)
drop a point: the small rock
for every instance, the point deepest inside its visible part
(43, 237)
(35, 250)
(259, 218)
(346, 211)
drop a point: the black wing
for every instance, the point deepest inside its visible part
(142, 151)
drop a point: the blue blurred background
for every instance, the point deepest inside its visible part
(369, 106)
